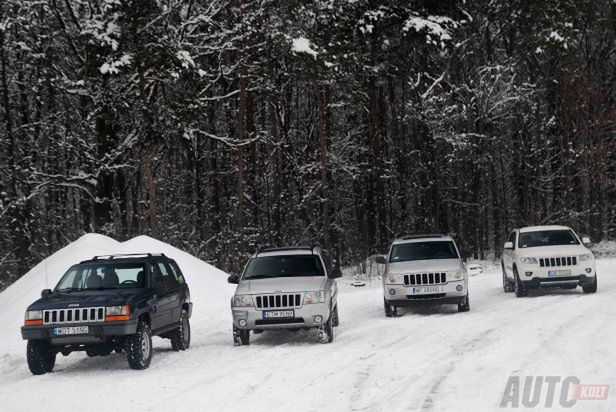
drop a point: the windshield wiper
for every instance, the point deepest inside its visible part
(69, 290)
(261, 277)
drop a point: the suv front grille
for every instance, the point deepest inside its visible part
(558, 261)
(73, 315)
(425, 279)
(279, 301)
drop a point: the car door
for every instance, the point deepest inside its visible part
(173, 292)
(158, 301)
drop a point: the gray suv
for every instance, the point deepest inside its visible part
(285, 288)
(424, 269)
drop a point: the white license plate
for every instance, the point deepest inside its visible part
(425, 289)
(276, 314)
(71, 330)
(557, 273)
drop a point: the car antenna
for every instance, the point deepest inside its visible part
(46, 287)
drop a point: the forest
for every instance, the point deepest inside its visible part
(225, 126)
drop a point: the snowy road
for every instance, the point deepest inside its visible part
(427, 359)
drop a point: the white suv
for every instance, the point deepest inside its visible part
(547, 256)
(286, 288)
(424, 269)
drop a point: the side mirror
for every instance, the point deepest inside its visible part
(380, 259)
(335, 273)
(508, 246)
(586, 240)
(45, 293)
(234, 279)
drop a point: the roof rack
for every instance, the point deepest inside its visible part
(121, 255)
(407, 236)
(285, 248)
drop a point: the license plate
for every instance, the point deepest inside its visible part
(425, 289)
(71, 330)
(557, 273)
(276, 314)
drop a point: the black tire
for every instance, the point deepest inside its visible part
(465, 306)
(138, 347)
(91, 354)
(240, 337)
(520, 290)
(390, 310)
(592, 288)
(180, 337)
(336, 319)
(508, 285)
(41, 357)
(326, 332)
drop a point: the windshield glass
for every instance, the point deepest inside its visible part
(103, 276)
(423, 251)
(284, 266)
(547, 238)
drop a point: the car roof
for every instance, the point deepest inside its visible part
(546, 227)
(125, 258)
(291, 250)
(421, 237)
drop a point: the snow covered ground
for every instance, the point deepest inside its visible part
(428, 359)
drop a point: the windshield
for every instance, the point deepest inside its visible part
(102, 276)
(423, 251)
(283, 266)
(547, 238)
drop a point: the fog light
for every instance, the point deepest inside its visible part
(459, 288)
(529, 273)
(318, 319)
(588, 270)
(242, 322)
(392, 291)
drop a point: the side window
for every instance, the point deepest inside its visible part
(168, 275)
(177, 273)
(158, 280)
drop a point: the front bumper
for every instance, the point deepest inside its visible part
(304, 317)
(408, 296)
(97, 332)
(551, 282)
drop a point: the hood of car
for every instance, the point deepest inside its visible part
(425, 266)
(552, 251)
(87, 298)
(280, 285)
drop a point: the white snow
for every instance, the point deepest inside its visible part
(433, 25)
(303, 45)
(430, 358)
(113, 67)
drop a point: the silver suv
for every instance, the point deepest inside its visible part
(285, 288)
(424, 269)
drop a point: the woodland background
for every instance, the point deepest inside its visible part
(223, 126)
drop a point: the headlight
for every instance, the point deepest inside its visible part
(458, 274)
(529, 260)
(315, 297)
(117, 310)
(34, 314)
(242, 301)
(33, 318)
(392, 279)
(586, 256)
